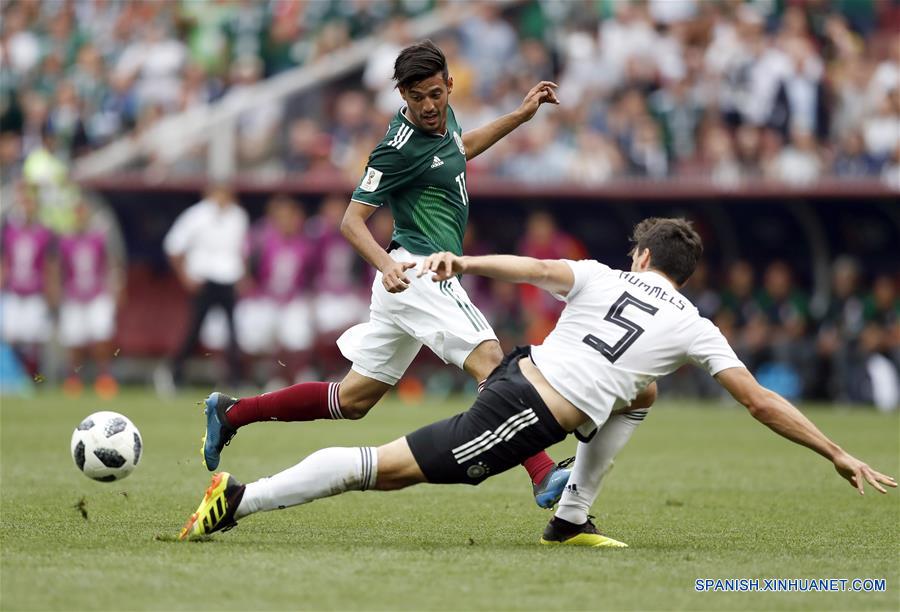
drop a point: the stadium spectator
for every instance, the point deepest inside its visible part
(274, 316)
(719, 158)
(380, 66)
(256, 128)
(785, 309)
(351, 128)
(679, 113)
(739, 316)
(153, 63)
(308, 149)
(891, 172)
(543, 239)
(852, 160)
(92, 285)
(595, 160)
(489, 42)
(881, 309)
(340, 289)
(880, 344)
(205, 248)
(798, 163)
(839, 329)
(28, 280)
(21, 45)
(881, 129)
(748, 141)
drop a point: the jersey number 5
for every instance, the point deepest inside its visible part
(633, 331)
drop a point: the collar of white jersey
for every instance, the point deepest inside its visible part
(405, 120)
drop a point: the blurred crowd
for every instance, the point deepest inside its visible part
(291, 284)
(60, 288)
(843, 346)
(732, 90)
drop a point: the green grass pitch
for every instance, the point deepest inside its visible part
(701, 491)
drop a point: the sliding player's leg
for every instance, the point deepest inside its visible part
(504, 425)
(326, 472)
(593, 460)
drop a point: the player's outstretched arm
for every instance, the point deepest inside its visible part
(783, 418)
(355, 230)
(553, 275)
(479, 140)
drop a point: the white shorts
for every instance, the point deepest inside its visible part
(24, 318)
(214, 329)
(438, 315)
(263, 325)
(336, 312)
(83, 323)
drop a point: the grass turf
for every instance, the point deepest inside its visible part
(699, 492)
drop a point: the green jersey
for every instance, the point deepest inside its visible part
(422, 177)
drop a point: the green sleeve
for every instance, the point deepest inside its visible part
(386, 172)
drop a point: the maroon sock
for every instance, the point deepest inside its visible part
(539, 466)
(302, 402)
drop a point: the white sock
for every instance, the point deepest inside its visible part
(592, 461)
(326, 472)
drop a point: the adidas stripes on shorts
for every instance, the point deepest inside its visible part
(507, 424)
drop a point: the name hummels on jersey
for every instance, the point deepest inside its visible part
(652, 291)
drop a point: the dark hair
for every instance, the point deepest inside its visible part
(675, 247)
(418, 62)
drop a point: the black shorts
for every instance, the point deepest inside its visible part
(507, 424)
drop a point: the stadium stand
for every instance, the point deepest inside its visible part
(787, 109)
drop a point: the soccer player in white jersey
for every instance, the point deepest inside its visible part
(620, 330)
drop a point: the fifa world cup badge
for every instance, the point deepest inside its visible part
(371, 180)
(459, 143)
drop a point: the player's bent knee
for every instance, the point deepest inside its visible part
(357, 394)
(482, 361)
(356, 410)
(645, 399)
(397, 467)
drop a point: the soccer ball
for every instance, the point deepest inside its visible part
(106, 446)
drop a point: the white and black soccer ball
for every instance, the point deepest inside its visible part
(106, 446)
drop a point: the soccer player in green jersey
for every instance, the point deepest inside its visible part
(419, 170)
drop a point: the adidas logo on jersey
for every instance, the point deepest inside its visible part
(436, 162)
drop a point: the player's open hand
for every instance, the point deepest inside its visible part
(858, 473)
(543, 92)
(442, 266)
(394, 278)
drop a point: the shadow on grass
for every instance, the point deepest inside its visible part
(162, 537)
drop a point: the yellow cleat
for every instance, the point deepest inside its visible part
(216, 509)
(560, 532)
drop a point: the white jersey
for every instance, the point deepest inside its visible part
(619, 332)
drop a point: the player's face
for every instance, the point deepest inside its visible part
(426, 103)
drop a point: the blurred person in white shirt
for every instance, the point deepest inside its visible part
(155, 63)
(881, 130)
(259, 126)
(799, 162)
(205, 247)
(380, 66)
